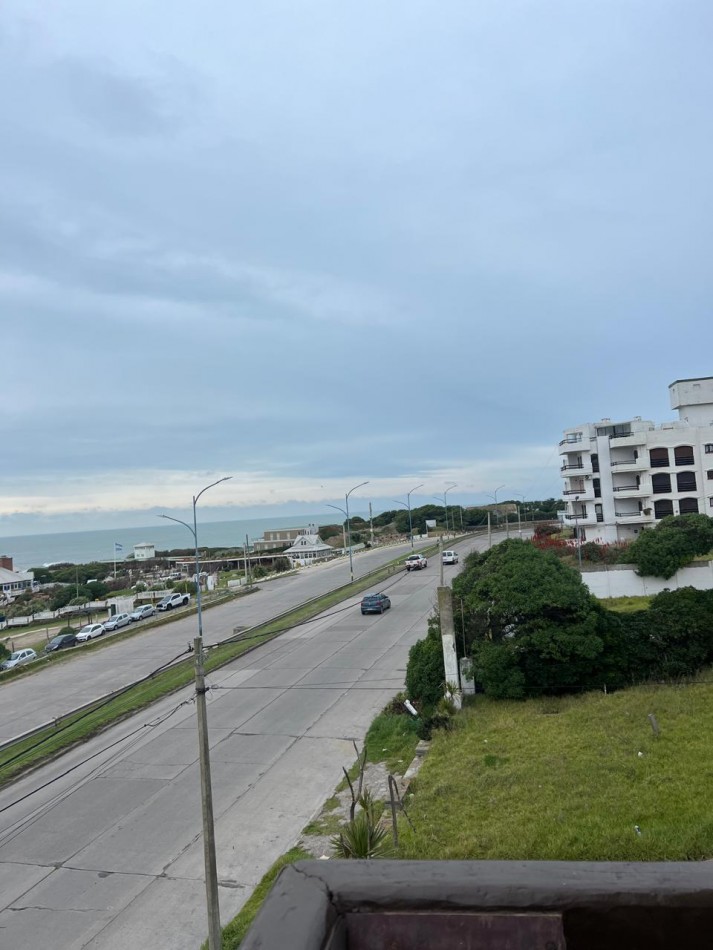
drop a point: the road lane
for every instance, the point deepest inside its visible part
(55, 690)
(111, 855)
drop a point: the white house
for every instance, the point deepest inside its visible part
(13, 582)
(622, 476)
(308, 547)
(144, 551)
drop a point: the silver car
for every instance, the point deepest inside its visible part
(117, 622)
(18, 658)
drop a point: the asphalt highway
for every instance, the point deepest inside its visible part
(102, 848)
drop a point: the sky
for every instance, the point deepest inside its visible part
(311, 244)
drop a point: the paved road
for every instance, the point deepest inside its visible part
(31, 701)
(110, 855)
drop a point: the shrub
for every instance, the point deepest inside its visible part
(425, 672)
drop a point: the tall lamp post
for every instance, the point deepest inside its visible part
(349, 527)
(494, 496)
(348, 539)
(445, 502)
(410, 524)
(215, 936)
(519, 522)
(344, 523)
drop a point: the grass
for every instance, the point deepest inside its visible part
(235, 931)
(625, 605)
(570, 779)
(392, 739)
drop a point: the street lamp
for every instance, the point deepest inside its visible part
(519, 523)
(451, 485)
(408, 496)
(211, 872)
(349, 527)
(494, 496)
(345, 512)
(344, 524)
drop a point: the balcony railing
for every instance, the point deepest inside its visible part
(582, 516)
(627, 462)
(627, 488)
(628, 514)
(575, 491)
(576, 466)
(571, 440)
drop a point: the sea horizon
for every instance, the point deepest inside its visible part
(81, 547)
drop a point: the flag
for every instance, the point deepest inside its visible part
(118, 548)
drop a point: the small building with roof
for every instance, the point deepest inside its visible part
(308, 547)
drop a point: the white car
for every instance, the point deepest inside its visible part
(142, 612)
(450, 557)
(18, 658)
(117, 622)
(89, 632)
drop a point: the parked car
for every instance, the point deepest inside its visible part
(375, 603)
(450, 557)
(60, 642)
(416, 562)
(173, 600)
(142, 612)
(18, 658)
(117, 622)
(89, 632)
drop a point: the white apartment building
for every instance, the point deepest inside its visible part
(621, 477)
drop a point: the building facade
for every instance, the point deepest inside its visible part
(621, 477)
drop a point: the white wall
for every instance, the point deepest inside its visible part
(622, 581)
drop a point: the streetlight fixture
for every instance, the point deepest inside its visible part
(348, 537)
(451, 485)
(211, 871)
(494, 496)
(344, 524)
(349, 527)
(519, 522)
(410, 524)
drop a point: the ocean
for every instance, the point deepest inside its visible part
(81, 547)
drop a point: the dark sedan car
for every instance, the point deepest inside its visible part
(375, 604)
(60, 642)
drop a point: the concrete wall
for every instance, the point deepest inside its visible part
(622, 581)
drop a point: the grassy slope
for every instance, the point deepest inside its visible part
(563, 779)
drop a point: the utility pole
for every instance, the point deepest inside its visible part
(440, 556)
(371, 526)
(215, 936)
(490, 532)
(248, 572)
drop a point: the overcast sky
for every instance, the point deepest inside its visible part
(312, 243)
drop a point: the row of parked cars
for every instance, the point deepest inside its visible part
(88, 632)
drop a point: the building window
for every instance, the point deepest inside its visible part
(688, 506)
(597, 488)
(663, 507)
(683, 454)
(709, 473)
(661, 483)
(686, 481)
(600, 513)
(708, 448)
(658, 458)
(595, 462)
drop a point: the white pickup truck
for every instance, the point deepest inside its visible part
(416, 562)
(173, 600)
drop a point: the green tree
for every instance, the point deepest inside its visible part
(673, 543)
(425, 672)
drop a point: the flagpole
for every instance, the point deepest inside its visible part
(115, 560)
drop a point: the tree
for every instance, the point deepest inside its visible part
(531, 623)
(673, 543)
(425, 672)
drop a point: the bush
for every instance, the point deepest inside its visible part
(65, 631)
(673, 543)
(425, 672)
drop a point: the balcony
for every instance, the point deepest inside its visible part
(631, 515)
(583, 467)
(630, 491)
(629, 465)
(571, 440)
